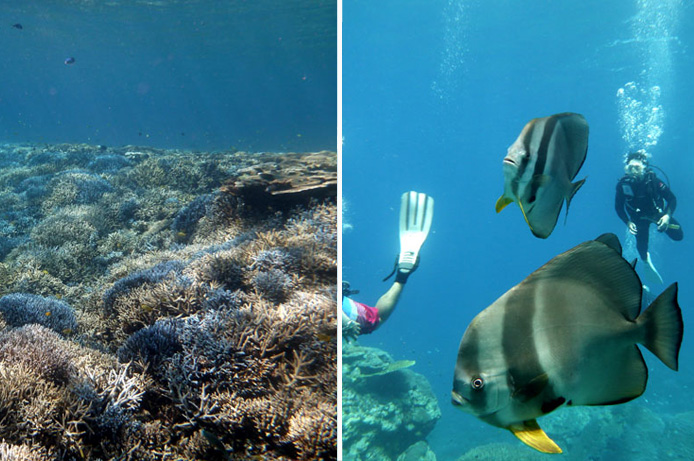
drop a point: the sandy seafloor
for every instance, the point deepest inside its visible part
(162, 304)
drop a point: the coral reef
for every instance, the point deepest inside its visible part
(150, 311)
(387, 408)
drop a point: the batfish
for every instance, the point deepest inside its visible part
(566, 335)
(539, 168)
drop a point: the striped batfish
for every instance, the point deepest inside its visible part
(566, 335)
(539, 168)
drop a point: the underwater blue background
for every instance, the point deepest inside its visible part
(434, 92)
(198, 74)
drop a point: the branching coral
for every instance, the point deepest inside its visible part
(39, 351)
(207, 323)
(9, 452)
(22, 308)
(145, 277)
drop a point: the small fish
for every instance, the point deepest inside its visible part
(216, 443)
(326, 338)
(18, 26)
(69, 60)
(539, 168)
(48, 314)
(566, 335)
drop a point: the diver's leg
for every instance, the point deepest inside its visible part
(675, 231)
(642, 238)
(651, 273)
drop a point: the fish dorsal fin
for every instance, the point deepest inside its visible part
(502, 202)
(611, 241)
(597, 267)
(530, 433)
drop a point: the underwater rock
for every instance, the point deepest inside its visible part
(502, 452)
(419, 451)
(386, 408)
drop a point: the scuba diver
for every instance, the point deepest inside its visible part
(416, 214)
(641, 199)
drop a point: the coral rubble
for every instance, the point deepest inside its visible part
(160, 304)
(387, 409)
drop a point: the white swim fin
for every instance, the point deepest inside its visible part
(650, 272)
(416, 214)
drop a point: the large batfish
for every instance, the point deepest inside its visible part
(539, 168)
(566, 335)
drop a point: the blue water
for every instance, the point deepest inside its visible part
(200, 74)
(433, 95)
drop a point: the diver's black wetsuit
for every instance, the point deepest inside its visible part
(644, 201)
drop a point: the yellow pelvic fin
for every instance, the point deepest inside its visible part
(502, 202)
(530, 433)
(520, 204)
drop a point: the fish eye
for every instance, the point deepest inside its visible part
(477, 383)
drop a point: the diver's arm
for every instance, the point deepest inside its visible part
(670, 199)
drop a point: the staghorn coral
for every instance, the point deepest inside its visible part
(39, 351)
(153, 344)
(74, 187)
(9, 452)
(311, 428)
(39, 410)
(215, 361)
(187, 217)
(22, 308)
(145, 277)
(70, 224)
(274, 284)
(108, 163)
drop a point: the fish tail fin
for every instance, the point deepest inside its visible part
(663, 327)
(574, 188)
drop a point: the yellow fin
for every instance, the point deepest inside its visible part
(520, 204)
(502, 202)
(530, 433)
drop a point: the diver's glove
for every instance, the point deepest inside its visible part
(347, 290)
(350, 330)
(632, 227)
(402, 271)
(663, 223)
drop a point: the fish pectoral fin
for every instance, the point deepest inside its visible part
(540, 180)
(502, 202)
(530, 389)
(530, 433)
